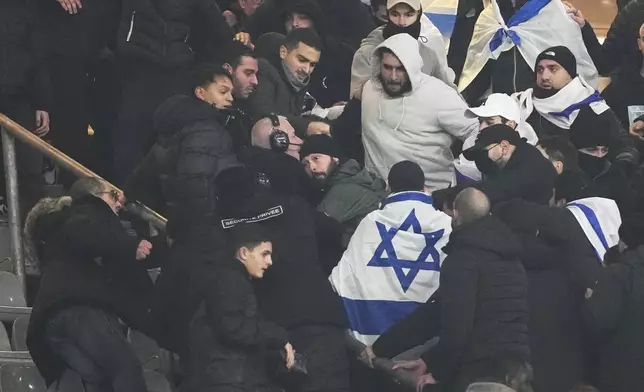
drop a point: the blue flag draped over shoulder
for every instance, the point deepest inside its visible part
(392, 263)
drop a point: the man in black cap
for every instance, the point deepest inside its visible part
(562, 98)
(351, 192)
(511, 167)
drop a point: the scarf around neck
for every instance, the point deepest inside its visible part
(293, 79)
(562, 108)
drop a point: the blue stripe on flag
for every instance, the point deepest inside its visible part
(594, 223)
(444, 22)
(407, 196)
(525, 13)
(374, 317)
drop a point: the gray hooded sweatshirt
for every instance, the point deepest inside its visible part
(419, 126)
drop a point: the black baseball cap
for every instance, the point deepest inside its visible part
(492, 135)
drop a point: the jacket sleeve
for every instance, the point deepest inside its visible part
(623, 144)
(202, 156)
(458, 284)
(619, 39)
(595, 50)
(418, 327)
(92, 237)
(361, 69)
(237, 322)
(452, 115)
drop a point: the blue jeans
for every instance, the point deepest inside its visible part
(92, 343)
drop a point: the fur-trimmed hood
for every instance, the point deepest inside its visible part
(41, 220)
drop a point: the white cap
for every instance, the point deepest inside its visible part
(414, 4)
(499, 105)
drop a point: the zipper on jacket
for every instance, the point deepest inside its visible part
(129, 33)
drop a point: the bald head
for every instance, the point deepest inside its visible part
(260, 135)
(470, 205)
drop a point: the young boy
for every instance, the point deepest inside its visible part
(228, 338)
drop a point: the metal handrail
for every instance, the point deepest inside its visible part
(11, 129)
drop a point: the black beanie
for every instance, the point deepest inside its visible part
(320, 144)
(563, 56)
(406, 176)
(589, 132)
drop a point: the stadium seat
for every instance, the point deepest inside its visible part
(5, 344)
(19, 333)
(10, 291)
(20, 378)
(146, 349)
(156, 382)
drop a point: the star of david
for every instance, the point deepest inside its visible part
(385, 254)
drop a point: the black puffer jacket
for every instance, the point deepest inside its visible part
(88, 259)
(191, 149)
(228, 337)
(484, 296)
(554, 305)
(22, 69)
(171, 33)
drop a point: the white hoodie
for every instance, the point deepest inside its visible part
(419, 126)
(432, 50)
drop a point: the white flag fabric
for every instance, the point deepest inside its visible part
(442, 13)
(392, 263)
(562, 108)
(600, 219)
(537, 26)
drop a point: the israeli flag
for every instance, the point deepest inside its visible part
(392, 263)
(442, 14)
(600, 220)
(537, 26)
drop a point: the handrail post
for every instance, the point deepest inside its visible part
(13, 199)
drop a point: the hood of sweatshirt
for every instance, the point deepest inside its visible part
(405, 47)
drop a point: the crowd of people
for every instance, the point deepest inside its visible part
(441, 179)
